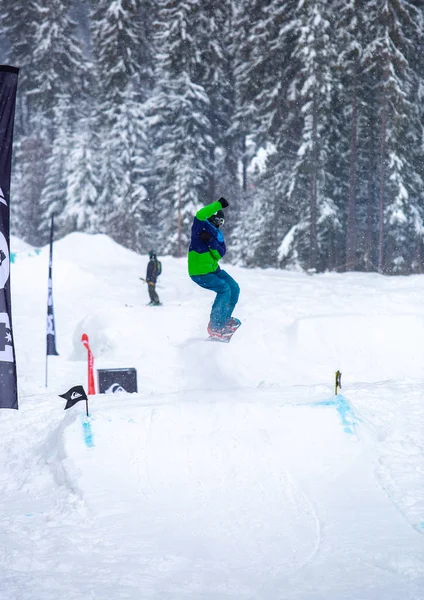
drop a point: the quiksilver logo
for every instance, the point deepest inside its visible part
(2, 198)
(75, 395)
(114, 389)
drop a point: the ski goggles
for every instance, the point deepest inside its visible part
(216, 221)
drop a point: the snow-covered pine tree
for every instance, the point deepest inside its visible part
(54, 78)
(264, 34)
(82, 182)
(212, 36)
(128, 214)
(53, 199)
(30, 156)
(183, 154)
(249, 246)
(368, 147)
(418, 148)
(18, 22)
(229, 153)
(316, 236)
(61, 68)
(394, 30)
(71, 190)
(349, 41)
(122, 49)
(182, 159)
(250, 52)
(30, 151)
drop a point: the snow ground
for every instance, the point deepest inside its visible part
(234, 472)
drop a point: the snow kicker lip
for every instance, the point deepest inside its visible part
(347, 415)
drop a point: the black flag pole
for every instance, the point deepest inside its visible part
(51, 329)
(8, 378)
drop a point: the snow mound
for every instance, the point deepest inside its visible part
(18, 245)
(93, 249)
(354, 344)
(97, 327)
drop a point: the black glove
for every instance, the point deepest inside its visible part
(224, 202)
(205, 236)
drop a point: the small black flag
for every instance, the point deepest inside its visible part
(74, 395)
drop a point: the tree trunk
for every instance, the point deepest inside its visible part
(33, 163)
(244, 163)
(313, 249)
(351, 233)
(369, 257)
(212, 178)
(179, 224)
(382, 159)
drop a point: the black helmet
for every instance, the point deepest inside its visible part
(152, 254)
(217, 219)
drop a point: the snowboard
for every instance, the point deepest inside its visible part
(224, 339)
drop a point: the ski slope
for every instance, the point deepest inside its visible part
(234, 472)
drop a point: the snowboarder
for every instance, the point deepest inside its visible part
(207, 247)
(154, 269)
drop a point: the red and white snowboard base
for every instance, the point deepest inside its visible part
(223, 338)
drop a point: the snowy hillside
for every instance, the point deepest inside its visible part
(234, 472)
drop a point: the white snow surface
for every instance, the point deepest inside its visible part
(235, 472)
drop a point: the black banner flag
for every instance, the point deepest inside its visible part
(74, 395)
(51, 329)
(8, 380)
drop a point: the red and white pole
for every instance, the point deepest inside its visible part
(91, 385)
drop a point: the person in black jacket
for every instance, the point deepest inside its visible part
(154, 269)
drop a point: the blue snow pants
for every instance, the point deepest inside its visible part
(227, 294)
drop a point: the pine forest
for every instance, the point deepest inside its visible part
(307, 115)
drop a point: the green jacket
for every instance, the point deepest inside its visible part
(207, 245)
